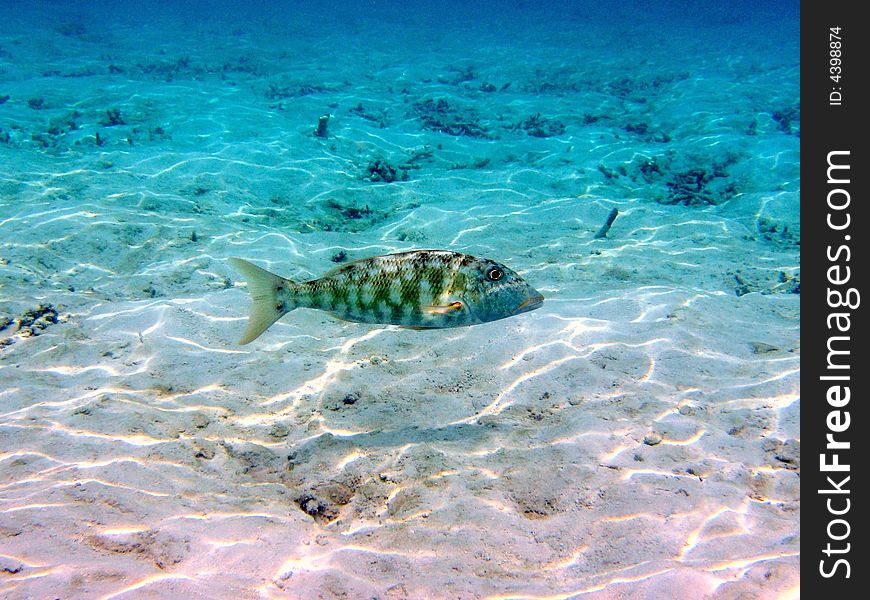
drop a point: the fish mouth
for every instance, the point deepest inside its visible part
(531, 303)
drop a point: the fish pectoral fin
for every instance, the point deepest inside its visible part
(444, 309)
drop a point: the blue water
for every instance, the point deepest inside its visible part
(637, 436)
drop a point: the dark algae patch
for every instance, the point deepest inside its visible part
(542, 127)
(778, 233)
(30, 323)
(346, 217)
(113, 117)
(380, 170)
(323, 502)
(698, 186)
(378, 117)
(673, 179)
(788, 119)
(442, 116)
(749, 280)
(35, 320)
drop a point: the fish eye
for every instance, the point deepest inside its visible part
(494, 274)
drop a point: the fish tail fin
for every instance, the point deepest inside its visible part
(266, 307)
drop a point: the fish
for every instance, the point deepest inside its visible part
(418, 289)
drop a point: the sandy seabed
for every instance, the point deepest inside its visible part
(636, 437)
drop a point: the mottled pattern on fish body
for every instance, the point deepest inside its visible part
(421, 289)
(400, 289)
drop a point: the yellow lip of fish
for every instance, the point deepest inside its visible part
(531, 303)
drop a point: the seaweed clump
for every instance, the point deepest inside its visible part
(113, 118)
(538, 126)
(338, 216)
(648, 134)
(377, 117)
(698, 181)
(786, 117)
(382, 171)
(443, 117)
(277, 92)
(64, 124)
(323, 503)
(778, 233)
(764, 283)
(35, 320)
(639, 89)
(698, 187)
(559, 82)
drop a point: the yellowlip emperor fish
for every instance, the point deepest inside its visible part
(421, 289)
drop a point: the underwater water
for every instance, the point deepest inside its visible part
(637, 436)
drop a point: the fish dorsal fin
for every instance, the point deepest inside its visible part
(346, 266)
(398, 256)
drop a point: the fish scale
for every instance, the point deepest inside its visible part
(422, 289)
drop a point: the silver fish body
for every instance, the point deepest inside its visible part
(422, 289)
